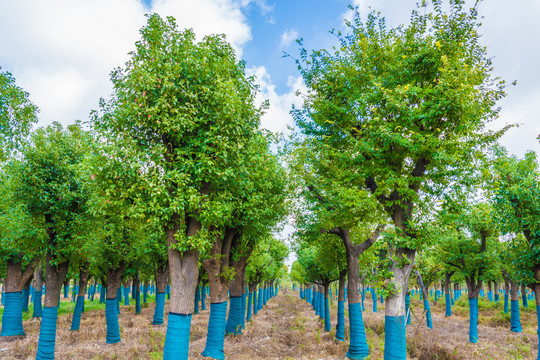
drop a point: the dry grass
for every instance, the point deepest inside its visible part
(285, 329)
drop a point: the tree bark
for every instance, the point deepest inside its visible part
(114, 280)
(38, 278)
(55, 276)
(83, 280)
(395, 304)
(447, 278)
(16, 278)
(217, 263)
(161, 275)
(514, 291)
(341, 289)
(238, 285)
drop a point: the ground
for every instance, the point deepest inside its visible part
(287, 328)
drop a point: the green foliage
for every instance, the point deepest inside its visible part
(50, 184)
(515, 195)
(186, 109)
(17, 114)
(401, 112)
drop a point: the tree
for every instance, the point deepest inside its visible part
(515, 195)
(187, 107)
(17, 114)
(469, 244)
(50, 184)
(401, 110)
(21, 249)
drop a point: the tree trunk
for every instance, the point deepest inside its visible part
(114, 281)
(55, 276)
(395, 304)
(514, 293)
(161, 276)
(83, 281)
(216, 264)
(16, 278)
(184, 270)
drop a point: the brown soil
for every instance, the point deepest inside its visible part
(285, 329)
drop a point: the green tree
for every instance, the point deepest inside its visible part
(51, 185)
(187, 107)
(515, 195)
(17, 114)
(402, 110)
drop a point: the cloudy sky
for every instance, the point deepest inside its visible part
(62, 51)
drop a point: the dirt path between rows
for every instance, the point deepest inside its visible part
(286, 328)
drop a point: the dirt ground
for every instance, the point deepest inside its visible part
(285, 329)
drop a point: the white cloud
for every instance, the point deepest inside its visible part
(288, 37)
(62, 51)
(277, 117)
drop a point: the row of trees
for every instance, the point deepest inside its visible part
(170, 178)
(394, 145)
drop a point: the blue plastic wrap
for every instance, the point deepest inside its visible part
(66, 291)
(145, 294)
(490, 296)
(216, 331)
(327, 325)
(265, 296)
(160, 308)
(76, 319)
(243, 311)
(317, 304)
(497, 297)
(408, 308)
(111, 317)
(358, 347)
(234, 321)
(515, 323)
(505, 302)
(382, 299)
(37, 304)
(12, 317)
(321, 305)
(524, 299)
(118, 300)
(448, 305)
(255, 307)
(138, 300)
(473, 320)
(394, 338)
(260, 299)
(340, 328)
(250, 301)
(538, 329)
(196, 304)
(126, 295)
(363, 299)
(102, 294)
(25, 297)
(203, 296)
(428, 314)
(168, 291)
(47, 334)
(177, 337)
(374, 298)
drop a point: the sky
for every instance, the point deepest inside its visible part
(62, 51)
